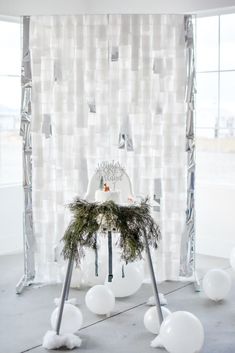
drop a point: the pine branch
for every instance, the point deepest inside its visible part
(133, 222)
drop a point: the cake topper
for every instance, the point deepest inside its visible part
(110, 171)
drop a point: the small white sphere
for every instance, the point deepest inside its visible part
(216, 284)
(71, 319)
(182, 332)
(90, 277)
(151, 321)
(76, 279)
(100, 300)
(127, 285)
(232, 258)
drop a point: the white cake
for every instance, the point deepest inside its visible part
(102, 196)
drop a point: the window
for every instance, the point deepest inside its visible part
(11, 191)
(215, 61)
(215, 101)
(215, 134)
(10, 95)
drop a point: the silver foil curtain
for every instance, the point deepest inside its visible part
(187, 263)
(45, 123)
(25, 132)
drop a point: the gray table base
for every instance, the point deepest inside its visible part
(67, 281)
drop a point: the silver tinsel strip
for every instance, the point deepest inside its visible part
(125, 140)
(187, 261)
(25, 132)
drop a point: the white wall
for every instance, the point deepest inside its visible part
(11, 219)
(215, 221)
(215, 203)
(53, 7)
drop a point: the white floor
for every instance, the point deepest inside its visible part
(25, 318)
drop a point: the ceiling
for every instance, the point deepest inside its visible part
(69, 7)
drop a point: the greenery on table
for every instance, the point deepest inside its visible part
(133, 222)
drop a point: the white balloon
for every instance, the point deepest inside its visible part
(71, 319)
(100, 300)
(151, 321)
(127, 285)
(232, 258)
(76, 279)
(182, 332)
(139, 264)
(90, 277)
(216, 284)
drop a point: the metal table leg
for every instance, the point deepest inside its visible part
(154, 282)
(65, 293)
(69, 280)
(197, 285)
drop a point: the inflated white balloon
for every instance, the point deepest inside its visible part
(127, 285)
(71, 319)
(100, 300)
(232, 258)
(182, 332)
(76, 279)
(140, 265)
(90, 277)
(216, 284)
(151, 321)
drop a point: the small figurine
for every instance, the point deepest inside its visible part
(130, 200)
(106, 187)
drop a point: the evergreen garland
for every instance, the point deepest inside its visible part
(133, 222)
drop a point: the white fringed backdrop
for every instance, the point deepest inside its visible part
(107, 87)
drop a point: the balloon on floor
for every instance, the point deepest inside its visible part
(151, 321)
(90, 278)
(180, 332)
(71, 320)
(100, 300)
(126, 281)
(216, 284)
(232, 259)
